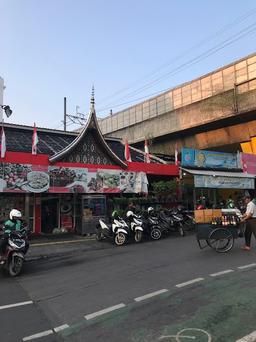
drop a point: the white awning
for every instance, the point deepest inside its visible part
(218, 173)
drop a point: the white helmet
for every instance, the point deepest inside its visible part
(14, 213)
(129, 213)
(150, 209)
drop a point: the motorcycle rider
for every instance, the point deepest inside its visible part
(13, 224)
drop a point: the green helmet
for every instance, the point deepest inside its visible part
(114, 214)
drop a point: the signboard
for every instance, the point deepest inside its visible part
(209, 159)
(249, 163)
(220, 182)
(53, 179)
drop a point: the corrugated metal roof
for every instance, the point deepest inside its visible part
(219, 173)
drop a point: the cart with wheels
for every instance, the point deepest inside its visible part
(219, 238)
(219, 229)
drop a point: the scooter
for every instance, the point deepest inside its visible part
(136, 225)
(118, 230)
(17, 247)
(172, 222)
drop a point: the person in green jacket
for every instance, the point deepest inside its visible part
(13, 224)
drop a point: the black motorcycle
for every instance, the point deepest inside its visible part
(172, 221)
(17, 247)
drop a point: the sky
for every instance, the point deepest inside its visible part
(129, 50)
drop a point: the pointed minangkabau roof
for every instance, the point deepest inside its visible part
(91, 128)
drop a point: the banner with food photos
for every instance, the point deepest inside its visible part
(25, 178)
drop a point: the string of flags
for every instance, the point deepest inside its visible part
(35, 142)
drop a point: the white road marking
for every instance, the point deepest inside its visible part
(150, 295)
(248, 338)
(15, 305)
(104, 311)
(60, 328)
(196, 280)
(246, 266)
(221, 273)
(39, 335)
(178, 337)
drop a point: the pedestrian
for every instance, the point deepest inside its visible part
(249, 217)
(131, 207)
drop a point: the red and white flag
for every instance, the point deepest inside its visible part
(176, 155)
(3, 143)
(147, 158)
(34, 140)
(127, 153)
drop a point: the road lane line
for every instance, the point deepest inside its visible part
(221, 273)
(39, 335)
(150, 295)
(104, 311)
(60, 328)
(248, 338)
(246, 266)
(15, 305)
(196, 280)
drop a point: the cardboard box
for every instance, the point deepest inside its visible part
(206, 215)
(216, 213)
(199, 216)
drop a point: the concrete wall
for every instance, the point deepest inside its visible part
(211, 97)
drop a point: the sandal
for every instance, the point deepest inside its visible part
(246, 248)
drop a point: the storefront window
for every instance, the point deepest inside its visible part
(94, 206)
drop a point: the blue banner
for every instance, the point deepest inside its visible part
(220, 182)
(209, 159)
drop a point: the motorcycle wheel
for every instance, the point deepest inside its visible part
(15, 266)
(138, 236)
(181, 231)
(99, 236)
(120, 239)
(155, 234)
(189, 225)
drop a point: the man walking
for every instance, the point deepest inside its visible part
(250, 218)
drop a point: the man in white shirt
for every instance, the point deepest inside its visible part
(250, 218)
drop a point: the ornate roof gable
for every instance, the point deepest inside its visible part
(89, 147)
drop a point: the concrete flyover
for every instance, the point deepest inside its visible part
(216, 110)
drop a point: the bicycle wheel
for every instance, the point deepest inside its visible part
(221, 240)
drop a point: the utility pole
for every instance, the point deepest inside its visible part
(65, 114)
(1, 98)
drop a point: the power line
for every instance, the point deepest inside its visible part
(238, 20)
(248, 30)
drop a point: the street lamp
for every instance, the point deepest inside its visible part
(7, 110)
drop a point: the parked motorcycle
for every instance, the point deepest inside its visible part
(187, 216)
(17, 247)
(118, 230)
(152, 225)
(136, 225)
(172, 222)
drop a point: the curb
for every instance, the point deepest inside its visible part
(40, 244)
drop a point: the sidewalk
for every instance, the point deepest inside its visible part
(57, 239)
(44, 247)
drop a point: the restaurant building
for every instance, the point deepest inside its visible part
(66, 185)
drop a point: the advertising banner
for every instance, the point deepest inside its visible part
(53, 179)
(249, 163)
(220, 182)
(209, 159)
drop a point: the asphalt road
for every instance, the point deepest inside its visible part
(65, 283)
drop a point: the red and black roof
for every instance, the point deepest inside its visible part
(88, 146)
